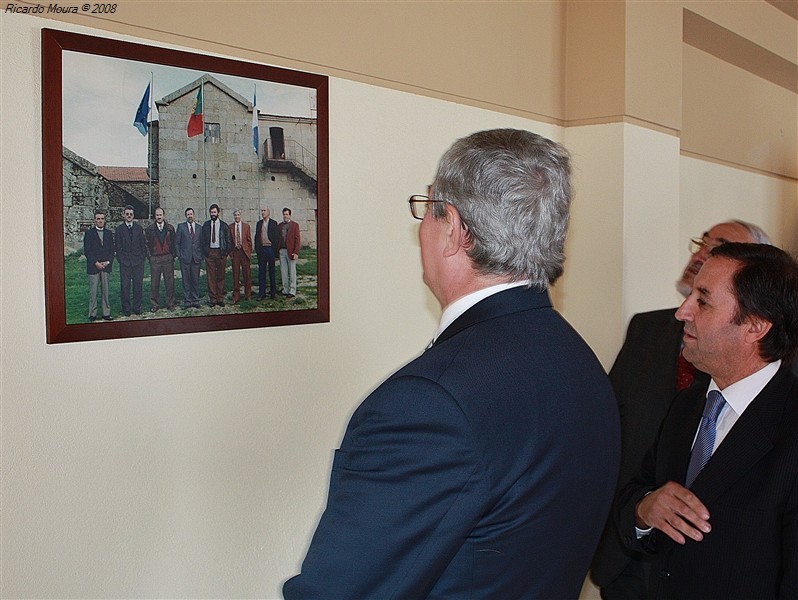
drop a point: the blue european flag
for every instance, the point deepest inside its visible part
(140, 122)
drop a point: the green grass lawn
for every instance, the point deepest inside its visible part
(76, 291)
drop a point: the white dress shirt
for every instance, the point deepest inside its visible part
(738, 396)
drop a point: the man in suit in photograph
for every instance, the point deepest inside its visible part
(289, 252)
(216, 246)
(485, 467)
(716, 499)
(161, 248)
(131, 252)
(267, 241)
(98, 248)
(648, 372)
(188, 241)
(240, 254)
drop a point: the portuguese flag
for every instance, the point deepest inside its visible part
(196, 123)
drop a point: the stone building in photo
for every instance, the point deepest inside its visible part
(222, 167)
(219, 166)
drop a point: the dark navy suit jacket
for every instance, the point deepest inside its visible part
(485, 468)
(130, 244)
(749, 486)
(96, 251)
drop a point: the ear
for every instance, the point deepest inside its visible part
(456, 232)
(757, 329)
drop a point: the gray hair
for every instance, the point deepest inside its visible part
(512, 190)
(756, 232)
(236, 211)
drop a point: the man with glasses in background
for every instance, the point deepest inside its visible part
(648, 372)
(485, 468)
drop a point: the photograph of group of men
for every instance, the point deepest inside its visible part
(191, 243)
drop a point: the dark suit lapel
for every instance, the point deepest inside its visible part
(508, 301)
(751, 438)
(686, 411)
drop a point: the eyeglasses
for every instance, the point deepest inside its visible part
(419, 205)
(697, 244)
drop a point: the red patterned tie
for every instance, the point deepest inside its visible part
(685, 373)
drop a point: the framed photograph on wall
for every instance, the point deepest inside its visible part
(158, 167)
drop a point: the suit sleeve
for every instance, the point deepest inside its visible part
(406, 489)
(205, 238)
(789, 552)
(247, 239)
(294, 242)
(628, 497)
(88, 252)
(226, 241)
(619, 372)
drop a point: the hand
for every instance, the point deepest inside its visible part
(294, 256)
(674, 510)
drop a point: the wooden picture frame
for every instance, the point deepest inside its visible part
(275, 174)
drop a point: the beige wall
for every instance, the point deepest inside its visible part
(111, 489)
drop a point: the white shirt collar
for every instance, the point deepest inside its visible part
(459, 306)
(741, 393)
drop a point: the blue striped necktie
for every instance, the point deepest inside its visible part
(705, 441)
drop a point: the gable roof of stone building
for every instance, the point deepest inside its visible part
(187, 89)
(124, 173)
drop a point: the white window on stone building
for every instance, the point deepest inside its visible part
(213, 133)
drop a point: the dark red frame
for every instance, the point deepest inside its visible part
(58, 331)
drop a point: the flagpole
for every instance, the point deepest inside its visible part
(204, 166)
(149, 149)
(257, 149)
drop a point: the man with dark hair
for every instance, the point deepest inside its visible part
(289, 252)
(716, 499)
(188, 241)
(484, 468)
(216, 246)
(240, 254)
(98, 248)
(267, 241)
(162, 249)
(648, 372)
(131, 252)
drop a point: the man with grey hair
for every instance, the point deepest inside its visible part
(267, 241)
(647, 374)
(485, 467)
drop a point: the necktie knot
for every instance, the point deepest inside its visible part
(712, 408)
